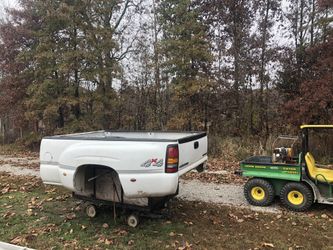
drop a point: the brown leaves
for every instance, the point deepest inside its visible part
(10, 184)
(20, 162)
(34, 205)
(30, 212)
(49, 190)
(19, 240)
(236, 218)
(22, 240)
(71, 244)
(270, 245)
(130, 242)
(8, 214)
(104, 240)
(185, 245)
(172, 234)
(62, 197)
(188, 223)
(5, 190)
(120, 232)
(70, 216)
(217, 171)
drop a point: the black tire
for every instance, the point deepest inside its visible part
(296, 196)
(265, 193)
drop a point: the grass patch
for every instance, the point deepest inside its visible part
(48, 218)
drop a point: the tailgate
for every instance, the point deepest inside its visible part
(192, 152)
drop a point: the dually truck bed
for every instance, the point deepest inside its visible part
(132, 165)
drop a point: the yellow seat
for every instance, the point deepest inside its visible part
(320, 174)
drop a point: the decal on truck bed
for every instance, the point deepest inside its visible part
(152, 163)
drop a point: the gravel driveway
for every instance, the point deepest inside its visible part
(191, 190)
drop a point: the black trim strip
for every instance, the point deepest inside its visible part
(192, 137)
(204, 154)
(106, 139)
(183, 165)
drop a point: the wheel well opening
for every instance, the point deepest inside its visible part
(96, 181)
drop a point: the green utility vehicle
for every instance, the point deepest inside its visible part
(298, 180)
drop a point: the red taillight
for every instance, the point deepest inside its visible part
(172, 159)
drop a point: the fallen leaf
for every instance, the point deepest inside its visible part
(8, 214)
(30, 212)
(172, 234)
(175, 243)
(265, 244)
(18, 240)
(101, 239)
(70, 216)
(122, 233)
(130, 242)
(186, 246)
(50, 191)
(5, 190)
(108, 242)
(105, 225)
(33, 200)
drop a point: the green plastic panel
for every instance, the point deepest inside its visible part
(272, 171)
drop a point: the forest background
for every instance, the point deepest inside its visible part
(243, 70)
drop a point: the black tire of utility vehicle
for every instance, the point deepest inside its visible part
(266, 186)
(297, 187)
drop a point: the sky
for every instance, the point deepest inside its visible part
(6, 3)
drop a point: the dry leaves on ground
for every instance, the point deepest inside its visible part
(217, 171)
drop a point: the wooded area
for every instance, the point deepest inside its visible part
(241, 68)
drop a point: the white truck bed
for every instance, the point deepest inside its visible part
(105, 164)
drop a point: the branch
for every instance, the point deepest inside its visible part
(122, 14)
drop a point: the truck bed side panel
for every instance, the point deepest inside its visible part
(140, 165)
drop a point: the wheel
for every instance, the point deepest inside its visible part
(296, 196)
(259, 192)
(133, 220)
(91, 210)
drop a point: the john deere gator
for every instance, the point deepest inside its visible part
(299, 181)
